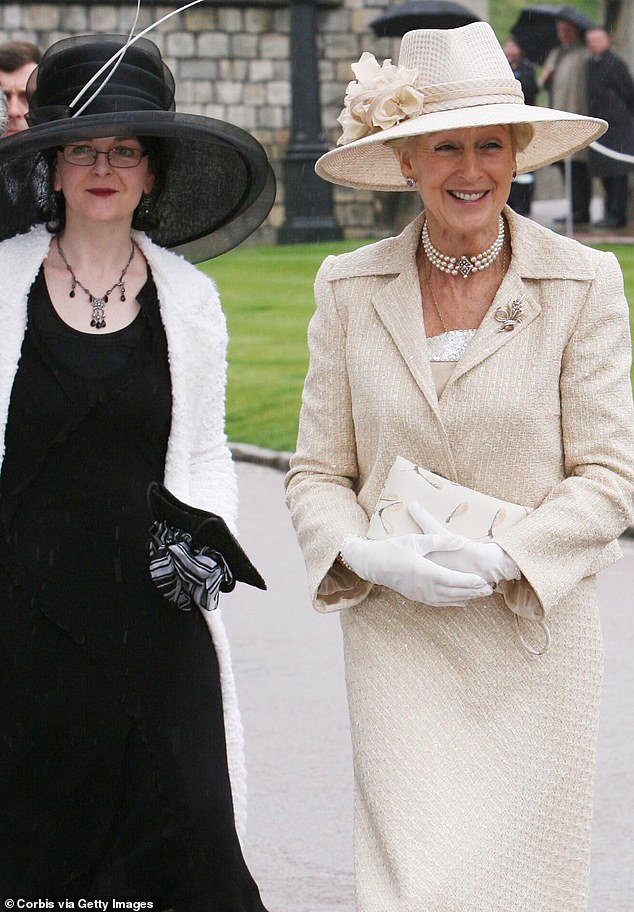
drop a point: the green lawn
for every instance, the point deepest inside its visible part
(267, 296)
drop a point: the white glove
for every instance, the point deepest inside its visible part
(400, 564)
(455, 552)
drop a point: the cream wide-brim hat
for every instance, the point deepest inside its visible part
(453, 78)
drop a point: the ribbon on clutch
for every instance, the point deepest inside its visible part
(193, 554)
(184, 575)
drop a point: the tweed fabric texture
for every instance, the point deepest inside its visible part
(473, 760)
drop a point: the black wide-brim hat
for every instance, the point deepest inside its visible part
(218, 183)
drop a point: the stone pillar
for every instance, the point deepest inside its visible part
(308, 199)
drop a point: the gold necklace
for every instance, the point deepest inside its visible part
(427, 283)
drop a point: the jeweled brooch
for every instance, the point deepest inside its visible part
(510, 315)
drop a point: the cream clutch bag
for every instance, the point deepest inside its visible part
(460, 509)
(470, 513)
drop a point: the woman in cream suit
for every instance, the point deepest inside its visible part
(504, 369)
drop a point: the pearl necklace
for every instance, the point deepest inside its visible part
(97, 303)
(462, 265)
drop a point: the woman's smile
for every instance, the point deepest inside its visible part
(464, 177)
(468, 196)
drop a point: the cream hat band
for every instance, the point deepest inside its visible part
(445, 79)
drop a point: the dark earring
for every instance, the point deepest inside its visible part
(513, 173)
(145, 205)
(145, 216)
(52, 207)
(53, 203)
(411, 183)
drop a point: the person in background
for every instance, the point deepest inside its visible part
(492, 351)
(18, 59)
(610, 91)
(523, 186)
(564, 77)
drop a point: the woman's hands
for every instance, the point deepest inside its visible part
(437, 567)
(455, 552)
(401, 564)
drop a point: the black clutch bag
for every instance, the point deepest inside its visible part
(207, 530)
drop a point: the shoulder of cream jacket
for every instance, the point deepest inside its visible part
(556, 433)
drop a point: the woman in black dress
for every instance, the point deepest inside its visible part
(115, 760)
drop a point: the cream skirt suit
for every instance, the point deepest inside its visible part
(473, 759)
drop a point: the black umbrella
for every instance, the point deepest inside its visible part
(536, 28)
(415, 14)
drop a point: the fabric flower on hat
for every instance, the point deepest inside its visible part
(379, 98)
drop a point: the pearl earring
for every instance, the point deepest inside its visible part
(411, 182)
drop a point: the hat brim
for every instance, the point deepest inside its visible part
(371, 163)
(219, 185)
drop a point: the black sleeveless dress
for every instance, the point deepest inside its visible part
(113, 769)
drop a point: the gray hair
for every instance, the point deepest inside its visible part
(521, 135)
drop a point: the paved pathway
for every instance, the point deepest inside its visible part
(290, 677)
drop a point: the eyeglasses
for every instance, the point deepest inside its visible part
(118, 157)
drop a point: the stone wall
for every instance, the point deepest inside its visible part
(233, 62)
